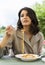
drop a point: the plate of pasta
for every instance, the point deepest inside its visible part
(27, 57)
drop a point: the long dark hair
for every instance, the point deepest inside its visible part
(34, 28)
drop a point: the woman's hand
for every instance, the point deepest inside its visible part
(10, 30)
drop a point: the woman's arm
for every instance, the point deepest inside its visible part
(4, 41)
(8, 36)
(40, 44)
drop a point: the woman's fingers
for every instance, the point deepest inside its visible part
(8, 33)
(9, 30)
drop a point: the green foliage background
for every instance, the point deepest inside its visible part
(40, 11)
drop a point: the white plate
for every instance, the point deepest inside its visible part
(27, 57)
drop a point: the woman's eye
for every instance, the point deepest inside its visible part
(21, 15)
(27, 15)
(24, 15)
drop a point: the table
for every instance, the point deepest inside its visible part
(15, 61)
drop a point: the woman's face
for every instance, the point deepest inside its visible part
(24, 18)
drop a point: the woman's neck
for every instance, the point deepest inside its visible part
(26, 28)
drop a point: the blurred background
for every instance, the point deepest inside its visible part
(9, 12)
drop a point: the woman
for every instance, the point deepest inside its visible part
(27, 38)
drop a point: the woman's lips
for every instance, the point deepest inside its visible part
(25, 20)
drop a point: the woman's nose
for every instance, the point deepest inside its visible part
(25, 16)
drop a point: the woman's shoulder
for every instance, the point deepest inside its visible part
(40, 34)
(18, 31)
